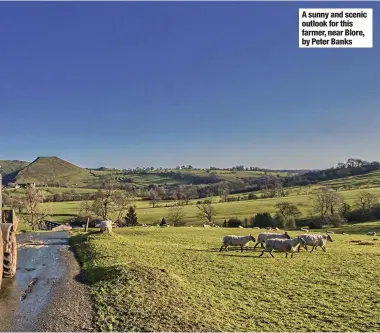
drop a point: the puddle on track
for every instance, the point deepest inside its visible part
(22, 299)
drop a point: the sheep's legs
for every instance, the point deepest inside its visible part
(262, 253)
(241, 249)
(270, 252)
(314, 247)
(222, 248)
(255, 245)
(304, 246)
(323, 248)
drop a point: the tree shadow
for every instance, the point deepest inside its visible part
(230, 249)
(57, 243)
(241, 256)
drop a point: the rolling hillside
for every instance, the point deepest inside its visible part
(52, 171)
(55, 172)
(11, 166)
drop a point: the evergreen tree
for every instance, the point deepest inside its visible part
(131, 218)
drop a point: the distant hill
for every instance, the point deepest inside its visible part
(51, 171)
(55, 172)
(10, 166)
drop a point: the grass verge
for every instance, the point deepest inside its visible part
(174, 279)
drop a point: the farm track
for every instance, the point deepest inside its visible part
(46, 294)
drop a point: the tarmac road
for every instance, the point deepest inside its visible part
(45, 295)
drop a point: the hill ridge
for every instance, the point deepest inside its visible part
(48, 170)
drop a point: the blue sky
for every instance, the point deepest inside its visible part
(128, 84)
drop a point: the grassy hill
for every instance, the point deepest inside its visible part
(180, 282)
(54, 171)
(11, 166)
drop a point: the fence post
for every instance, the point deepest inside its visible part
(88, 219)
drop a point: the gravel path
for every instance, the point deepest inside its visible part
(46, 295)
(70, 308)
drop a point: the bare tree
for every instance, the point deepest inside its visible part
(154, 197)
(176, 215)
(224, 191)
(206, 211)
(121, 201)
(287, 209)
(326, 200)
(34, 210)
(181, 195)
(103, 205)
(365, 201)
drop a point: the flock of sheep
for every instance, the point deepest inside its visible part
(280, 242)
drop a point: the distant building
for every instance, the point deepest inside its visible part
(26, 185)
(13, 185)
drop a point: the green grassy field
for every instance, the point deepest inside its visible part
(365, 181)
(241, 209)
(50, 190)
(174, 279)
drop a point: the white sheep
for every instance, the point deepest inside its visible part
(315, 241)
(282, 245)
(371, 233)
(240, 226)
(106, 226)
(242, 241)
(304, 229)
(262, 237)
(206, 226)
(330, 232)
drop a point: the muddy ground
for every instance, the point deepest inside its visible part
(46, 294)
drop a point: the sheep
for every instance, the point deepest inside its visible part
(240, 226)
(330, 232)
(304, 229)
(106, 226)
(206, 226)
(282, 245)
(266, 235)
(315, 241)
(371, 233)
(255, 228)
(242, 241)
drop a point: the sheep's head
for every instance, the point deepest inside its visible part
(287, 235)
(252, 237)
(329, 238)
(302, 241)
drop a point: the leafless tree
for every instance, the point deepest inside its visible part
(365, 201)
(326, 200)
(206, 211)
(224, 191)
(287, 209)
(34, 210)
(176, 216)
(154, 197)
(121, 201)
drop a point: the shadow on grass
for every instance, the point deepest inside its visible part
(89, 275)
(230, 249)
(242, 256)
(355, 228)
